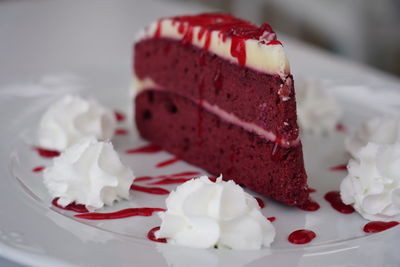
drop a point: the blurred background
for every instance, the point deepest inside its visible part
(367, 31)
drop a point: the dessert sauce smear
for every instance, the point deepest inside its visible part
(342, 167)
(309, 205)
(80, 208)
(121, 132)
(119, 214)
(144, 149)
(119, 116)
(46, 153)
(302, 236)
(167, 162)
(260, 202)
(151, 236)
(378, 226)
(150, 190)
(38, 169)
(333, 197)
(164, 181)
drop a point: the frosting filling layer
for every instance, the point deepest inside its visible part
(245, 45)
(149, 84)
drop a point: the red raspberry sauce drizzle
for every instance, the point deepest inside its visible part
(333, 197)
(342, 167)
(46, 153)
(119, 214)
(309, 205)
(228, 26)
(378, 226)
(301, 237)
(121, 132)
(260, 202)
(171, 181)
(80, 208)
(151, 235)
(144, 149)
(150, 190)
(167, 162)
(119, 116)
(271, 219)
(38, 169)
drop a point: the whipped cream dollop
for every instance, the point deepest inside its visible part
(90, 173)
(317, 112)
(372, 185)
(72, 118)
(379, 130)
(204, 214)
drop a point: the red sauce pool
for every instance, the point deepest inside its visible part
(38, 169)
(342, 167)
(143, 178)
(260, 202)
(119, 116)
(309, 205)
(150, 190)
(119, 214)
(46, 153)
(167, 162)
(271, 219)
(301, 237)
(144, 149)
(151, 235)
(378, 226)
(171, 181)
(333, 197)
(80, 208)
(121, 132)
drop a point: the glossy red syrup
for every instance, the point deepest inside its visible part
(119, 116)
(228, 26)
(157, 33)
(167, 162)
(180, 174)
(341, 128)
(38, 169)
(311, 190)
(309, 205)
(80, 208)
(150, 190)
(301, 237)
(342, 167)
(121, 132)
(143, 178)
(260, 202)
(333, 197)
(212, 179)
(271, 219)
(151, 236)
(144, 149)
(378, 226)
(119, 214)
(165, 181)
(46, 153)
(274, 42)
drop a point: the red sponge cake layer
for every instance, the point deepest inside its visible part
(171, 121)
(217, 91)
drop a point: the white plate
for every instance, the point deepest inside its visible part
(34, 232)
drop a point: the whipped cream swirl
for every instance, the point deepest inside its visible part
(379, 130)
(72, 118)
(204, 214)
(88, 173)
(372, 185)
(317, 112)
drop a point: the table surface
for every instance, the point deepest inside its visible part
(63, 36)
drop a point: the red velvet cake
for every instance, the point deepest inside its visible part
(217, 91)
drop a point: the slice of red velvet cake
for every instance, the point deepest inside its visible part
(217, 91)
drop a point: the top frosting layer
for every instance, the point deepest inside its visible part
(226, 36)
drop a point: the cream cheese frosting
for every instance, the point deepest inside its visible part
(72, 118)
(204, 214)
(90, 173)
(259, 55)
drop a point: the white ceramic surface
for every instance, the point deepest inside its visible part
(95, 46)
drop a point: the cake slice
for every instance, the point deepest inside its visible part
(217, 91)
